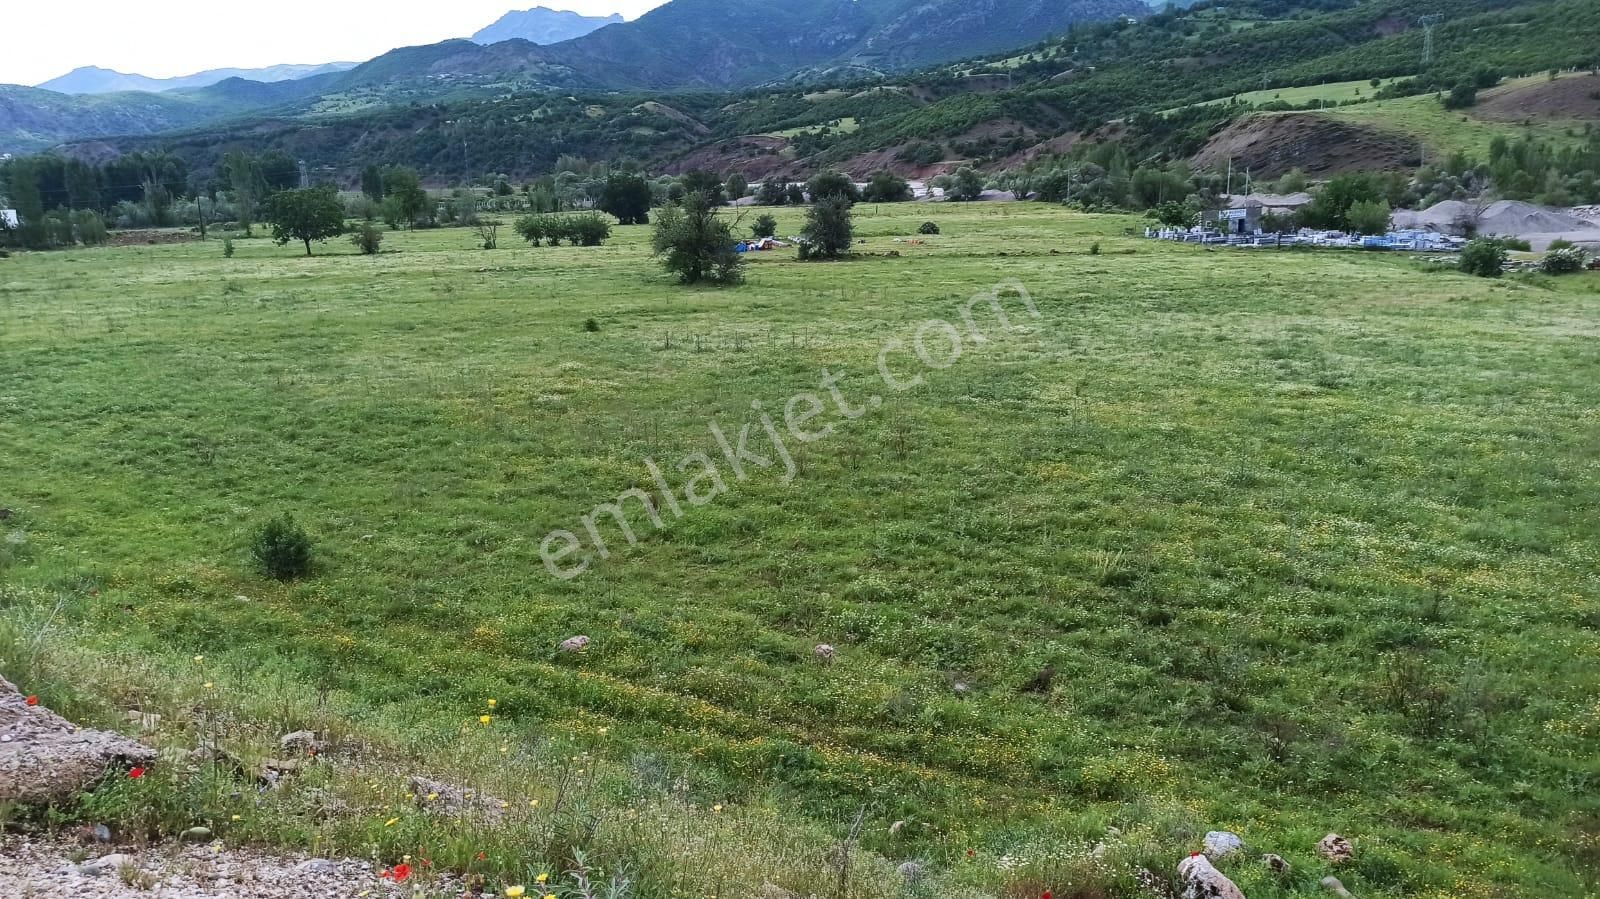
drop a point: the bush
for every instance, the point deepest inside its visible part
(1561, 243)
(282, 549)
(695, 243)
(366, 238)
(928, 228)
(1516, 243)
(591, 325)
(90, 228)
(587, 229)
(227, 246)
(1462, 96)
(1484, 258)
(765, 226)
(828, 233)
(1094, 248)
(1563, 261)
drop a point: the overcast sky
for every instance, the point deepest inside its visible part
(40, 39)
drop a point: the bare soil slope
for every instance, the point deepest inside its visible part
(1269, 145)
(1565, 99)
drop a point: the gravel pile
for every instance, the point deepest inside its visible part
(1507, 218)
(55, 869)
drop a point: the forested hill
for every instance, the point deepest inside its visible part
(1147, 84)
(685, 44)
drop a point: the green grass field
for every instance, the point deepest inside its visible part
(1308, 537)
(1331, 93)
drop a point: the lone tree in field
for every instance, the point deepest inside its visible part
(627, 197)
(886, 187)
(828, 233)
(402, 189)
(700, 181)
(313, 213)
(828, 185)
(696, 244)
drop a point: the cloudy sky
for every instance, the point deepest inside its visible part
(40, 39)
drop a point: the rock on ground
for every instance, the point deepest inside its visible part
(45, 758)
(1201, 880)
(45, 869)
(1222, 842)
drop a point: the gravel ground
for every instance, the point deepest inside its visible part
(56, 869)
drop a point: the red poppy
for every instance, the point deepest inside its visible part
(135, 773)
(1046, 895)
(482, 855)
(32, 700)
(401, 872)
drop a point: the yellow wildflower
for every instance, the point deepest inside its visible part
(491, 703)
(542, 878)
(391, 822)
(485, 719)
(516, 892)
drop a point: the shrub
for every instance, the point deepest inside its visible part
(1484, 258)
(227, 246)
(366, 238)
(282, 549)
(588, 229)
(1516, 243)
(534, 228)
(695, 243)
(765, 226)
(591, 325)
(90, 228)
(928, 228)
(1561, 243)
(1462, 96)
(1094, 248)
(1563, 261)
(828, 233)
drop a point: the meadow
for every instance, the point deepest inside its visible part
(1308, 537)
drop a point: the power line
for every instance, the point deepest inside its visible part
(1428, 22)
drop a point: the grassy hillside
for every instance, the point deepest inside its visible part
(1444, 131)
(1307, 538)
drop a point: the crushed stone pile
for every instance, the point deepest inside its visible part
(44, 758)
(1507, 218)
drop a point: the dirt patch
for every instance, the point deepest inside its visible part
(1061, 143)
(1269, 145)
(150, 236)
(1565, 99)
(755, 156)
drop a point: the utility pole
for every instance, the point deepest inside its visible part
(1428, 22)
(305, 176)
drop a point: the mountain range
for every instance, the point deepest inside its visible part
(683, 45)
(95, 80)
(540, 25)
